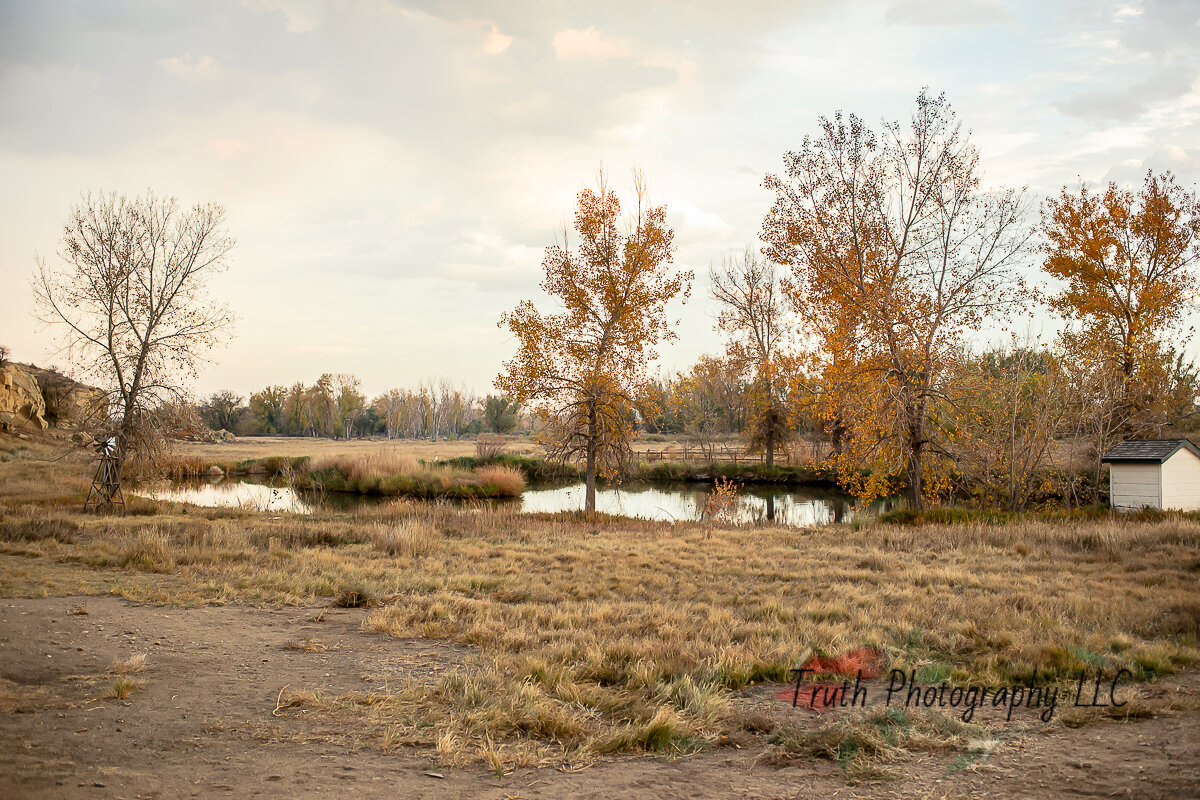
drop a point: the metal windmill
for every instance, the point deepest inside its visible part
(106, 486)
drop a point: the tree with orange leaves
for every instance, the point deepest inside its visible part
(581, 369)
(895, 253)
(1128, 262)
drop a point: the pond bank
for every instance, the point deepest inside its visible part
(373, 475)
(469, 477)
(538, 469)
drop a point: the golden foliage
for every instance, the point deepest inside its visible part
(1127, 262)
(580, 369)
(895, 254)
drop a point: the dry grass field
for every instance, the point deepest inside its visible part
(514, 645)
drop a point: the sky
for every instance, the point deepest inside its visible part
(392, 171)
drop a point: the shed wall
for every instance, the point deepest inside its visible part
(1181, 481)
(1135, 485)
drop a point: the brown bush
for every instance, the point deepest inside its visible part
(489, 446)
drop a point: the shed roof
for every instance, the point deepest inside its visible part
(1147, 451)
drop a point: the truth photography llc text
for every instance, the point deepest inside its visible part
(904, 690)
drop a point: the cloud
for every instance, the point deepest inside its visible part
(187, 65)
(225, 148)
(945, 12)
(495, 42)
(1136, 67)
(302, 16)
(1131, 101)
(1125, 12)
(414, 160)
(590, 43)
(696, 217)
(1184, 162)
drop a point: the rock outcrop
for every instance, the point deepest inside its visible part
(21, 402)
(32, 398)
(68, 402)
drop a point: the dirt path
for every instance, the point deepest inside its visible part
(201, 724)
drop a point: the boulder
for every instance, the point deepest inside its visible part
(21, 402)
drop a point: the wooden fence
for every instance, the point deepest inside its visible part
(711, 454)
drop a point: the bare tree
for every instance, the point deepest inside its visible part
(752, 314)
(131, 295)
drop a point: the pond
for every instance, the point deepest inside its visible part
(794, 506)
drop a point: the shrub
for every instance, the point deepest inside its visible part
(501, 481)
(722, 500)
(357, 595)
(489, 446)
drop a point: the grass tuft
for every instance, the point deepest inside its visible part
(129, 666)
(121, 689)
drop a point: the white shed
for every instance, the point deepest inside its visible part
(1159, 473)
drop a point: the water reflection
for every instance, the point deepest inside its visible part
(235, 494)
(795, 506)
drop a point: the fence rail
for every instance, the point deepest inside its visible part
(713, 454)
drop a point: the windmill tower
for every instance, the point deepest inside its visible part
(106, 486)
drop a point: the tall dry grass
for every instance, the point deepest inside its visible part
(407, 537)
(509, 482)
(370, 465)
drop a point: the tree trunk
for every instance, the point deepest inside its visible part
(915, 442)
(914, 481)
(589, 502)
(771, 422)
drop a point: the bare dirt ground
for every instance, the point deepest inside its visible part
(205, 722)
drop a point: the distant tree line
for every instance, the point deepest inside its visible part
(334, 406)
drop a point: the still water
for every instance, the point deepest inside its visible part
(796, 506)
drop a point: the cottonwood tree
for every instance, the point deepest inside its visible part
(267, 407)
(295, 410)
(394, 408)
(321, 409)
(1127, 260)
(351, 405)
(221, 410)
(131, 295)
(581, 368)
(895, 254)
(500, 415)
(752, 316)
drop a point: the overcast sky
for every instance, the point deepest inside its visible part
(393, 170)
